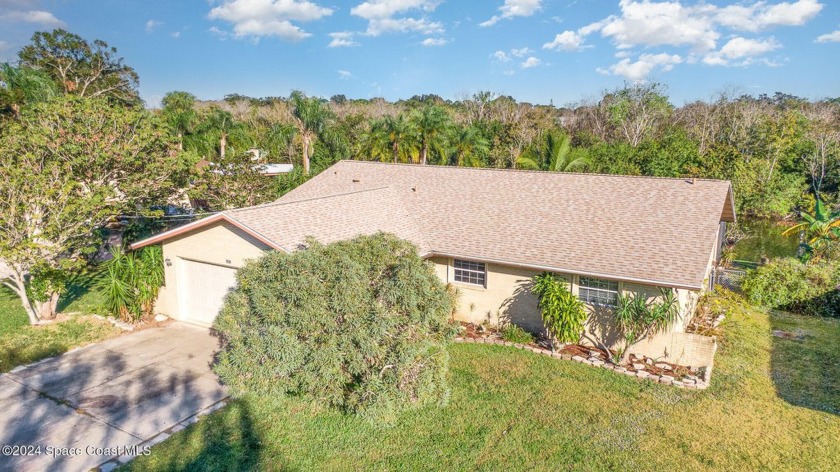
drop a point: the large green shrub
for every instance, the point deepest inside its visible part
(133, 281)
(360, 325)
(791, 285)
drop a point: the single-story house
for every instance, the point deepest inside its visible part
(487, 232)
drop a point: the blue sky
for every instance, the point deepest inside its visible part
(535, 50)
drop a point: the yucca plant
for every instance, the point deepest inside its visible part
(637, 317)
(562, 313)
(133, 282)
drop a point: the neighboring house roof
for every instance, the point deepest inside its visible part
(649, 230)
(275, 169)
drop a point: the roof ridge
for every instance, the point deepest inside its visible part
(323, 197)
(528, 171)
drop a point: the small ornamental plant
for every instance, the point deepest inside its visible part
(562, 313)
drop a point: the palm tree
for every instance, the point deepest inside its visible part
(553, 153)
(397, 130)
(431, 124)
(219, 126)
(311, 118)
(817, 229)
(20, 86)
(374, 144)
(179, 112)
(470, 148)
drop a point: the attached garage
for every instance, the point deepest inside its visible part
(200, 263)
(203, 289)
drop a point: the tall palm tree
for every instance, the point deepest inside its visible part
(219, 126)
(431, 124)
(398, 130)
(469, 148)
(311, 118)
(553, 153)
(21, 86)
(817, 229)
(179, 112)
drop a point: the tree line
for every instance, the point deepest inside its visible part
(79, 148)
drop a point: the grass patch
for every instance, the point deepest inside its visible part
(22, 344)
(514, 410)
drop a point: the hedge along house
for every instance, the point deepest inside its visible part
(487, 232)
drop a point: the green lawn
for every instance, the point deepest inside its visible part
(22, 344)
(773, 405)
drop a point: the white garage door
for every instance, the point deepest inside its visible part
(204, 290)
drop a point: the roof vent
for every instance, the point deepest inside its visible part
(355, 181)
(413, 189)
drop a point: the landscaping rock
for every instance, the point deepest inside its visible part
(620, 369)
(654, 378)
(642, 374)
(557, 355)
(124, 326)
(578, 359)
(663, 366)
(596, 362)
(638, 366)
(649, 361)
(566, 357)
(629, 372)
(677, 383)
(665, 379)
(161, 318)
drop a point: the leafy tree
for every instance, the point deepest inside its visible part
(637, 317)
(21, 86)
(431, 123)
(81, 68)
(818, 229)
(233, 181)
(553, 153)
(359, 325)
(789, 284)
(637, 111)
(562, 313)
(71, 164)
(311, 118)
(179, 112)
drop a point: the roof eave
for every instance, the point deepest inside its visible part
(167, 235)
(529, 265)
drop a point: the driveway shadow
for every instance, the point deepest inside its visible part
(118, 393)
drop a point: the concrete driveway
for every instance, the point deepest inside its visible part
(90, 405)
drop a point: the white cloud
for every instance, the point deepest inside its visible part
(514, 8)
(741, 50)
(647, 63)
(566, 41)
(342, 39)
(381, 16)
(696, 27)
(521, 52)
(833, 37)
(645, 23)
(268, 17)
(344, 74)
(152, 24)
(434, 42)
(501, 56)
(176, 35)
(760, 15)
(32, 16)
(530, 62)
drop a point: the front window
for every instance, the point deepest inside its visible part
(468, 272)
(598, 291)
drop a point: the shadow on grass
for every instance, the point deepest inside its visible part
(225, 441)
(79, 286)
(805, 360)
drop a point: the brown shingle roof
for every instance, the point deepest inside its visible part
(651, 230)
(638, 228)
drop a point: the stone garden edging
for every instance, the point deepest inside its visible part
(700, 382)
